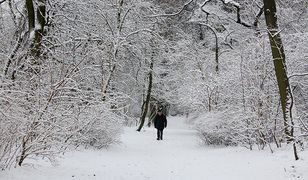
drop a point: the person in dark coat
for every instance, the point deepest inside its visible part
(160, 122)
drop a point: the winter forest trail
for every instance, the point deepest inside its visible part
(178, 157)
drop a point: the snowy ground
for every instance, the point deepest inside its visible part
(178, 157)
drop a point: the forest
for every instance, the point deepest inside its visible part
(74, 73)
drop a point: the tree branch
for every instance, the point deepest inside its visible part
(12, 12)
(238, 14)
(234, 4)
(304, 125)
(108, 24)
(2, 1)
(216, 44)
(139, 31)
(176, 13)
(255, 24)
(123, 19)
(202, 6)
(100, 12)
(297, 75)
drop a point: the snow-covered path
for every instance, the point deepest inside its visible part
(178, 157)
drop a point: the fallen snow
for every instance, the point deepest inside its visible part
(233, 3)
(178, 157)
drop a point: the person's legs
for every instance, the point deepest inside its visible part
(161, 134)
(158, 134)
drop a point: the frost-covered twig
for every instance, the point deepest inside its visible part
(298, 75)
(234, 4)
(255, 24)
(124, 17)
(173, 14)
(303, 124)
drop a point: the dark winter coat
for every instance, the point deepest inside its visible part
(160, 121)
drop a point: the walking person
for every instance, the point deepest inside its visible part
(160, 122)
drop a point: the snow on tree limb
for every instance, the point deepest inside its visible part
(298, 75)
(176, 13)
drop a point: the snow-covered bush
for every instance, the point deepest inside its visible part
(220, 128)
(45, 121)
(231, 128)
(97, 126)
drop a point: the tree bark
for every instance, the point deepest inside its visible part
(36, 33)
(147, 100)
(39, 32)
(279, 63)
(278, 54)
(31, 15)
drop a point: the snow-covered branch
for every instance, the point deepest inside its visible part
(232, 3)
(298, 75)
(184, 7)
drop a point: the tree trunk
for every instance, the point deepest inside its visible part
(152, 112)
(280, 69)
(147, 100)
(279, 63)
(36, 33)
(39, 32)
(31, 15)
